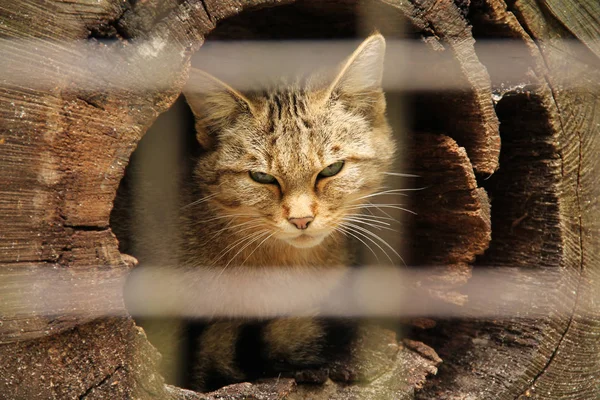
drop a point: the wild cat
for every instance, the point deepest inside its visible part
(283, 172)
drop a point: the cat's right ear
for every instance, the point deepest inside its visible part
(215, 105)
(363, 70)
(358, 82)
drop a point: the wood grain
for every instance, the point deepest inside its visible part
(471, 121)
(67, 130)
(581, 19)
(544, 198)
(83, 80)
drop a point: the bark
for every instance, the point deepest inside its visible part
(68, 128)
(64, 151)
(544, 218)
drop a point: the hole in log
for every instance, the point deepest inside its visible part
(78, 145)
(430, 125)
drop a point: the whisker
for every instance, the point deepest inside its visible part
(394, 206)
(202, 200)
(381, 194)
(220, 231)
(217, 233)
(345, 230)
(233, 227)
(366, 219)
(228, 216)
(394, 192)
(246, 228)
(379, 209)
(412, 189)
(341, 235)
(369, 239)
(337, 229)
(235, 244)
(401, 175)
(363, 208)
(382, 205)
(228, 226)
(256, 248)
(358, 221)
(369, 211)
(254, 239)
(230, 247)
(370, 216)
(378, 218)
(378, 238)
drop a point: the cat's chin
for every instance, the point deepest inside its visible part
(305, 241)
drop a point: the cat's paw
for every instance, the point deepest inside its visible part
(372, 353)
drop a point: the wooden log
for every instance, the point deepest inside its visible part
(580, 19)
(452, 222)
(66, 134)
(544, 219)
(575, 94)
(64, 150)
(472, 121)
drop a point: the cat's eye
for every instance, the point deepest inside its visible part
(261, 177)
(331, 170)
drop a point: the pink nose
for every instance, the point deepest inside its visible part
(301, 223)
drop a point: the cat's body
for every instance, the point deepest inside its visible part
(281, 172)
(283, 168)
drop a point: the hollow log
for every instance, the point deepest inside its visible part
(544, 216)
(82, 82)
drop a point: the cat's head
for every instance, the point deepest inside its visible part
(296, 160)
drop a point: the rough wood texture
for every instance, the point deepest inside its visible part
(68, 128)
(575, 95)
(544, 219)
(580, 18)
(409, 366)
(466, 115)
(57, 185)
(109, 359)
(452, 222)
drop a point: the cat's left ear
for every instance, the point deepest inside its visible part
(359, 78)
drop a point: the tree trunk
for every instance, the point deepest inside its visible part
(82, 81)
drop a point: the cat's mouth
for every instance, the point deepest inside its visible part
(305, 240)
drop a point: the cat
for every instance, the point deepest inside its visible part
(281, 171)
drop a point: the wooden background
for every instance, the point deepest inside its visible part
(68, 128)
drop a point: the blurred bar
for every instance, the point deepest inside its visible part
(411, 65)
(37, 290)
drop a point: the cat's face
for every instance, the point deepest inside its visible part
(292, 163)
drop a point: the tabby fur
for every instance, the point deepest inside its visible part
(291, 131)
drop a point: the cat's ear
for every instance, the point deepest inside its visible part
(215, 105)
(359, 78)
(363, 70)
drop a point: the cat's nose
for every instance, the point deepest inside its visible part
(301, 223)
